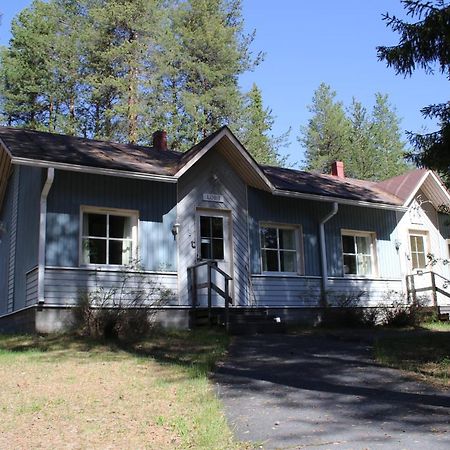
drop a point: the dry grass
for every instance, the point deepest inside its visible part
(424, 351)
(64, 392)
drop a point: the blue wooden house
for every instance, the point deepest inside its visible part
(75, 213)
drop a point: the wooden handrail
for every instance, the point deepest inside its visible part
(211, 286)
(412, 290)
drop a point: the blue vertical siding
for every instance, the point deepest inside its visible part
(28, 218)
(155, 202)
(6, 219)
(379, 221)
(264, 207)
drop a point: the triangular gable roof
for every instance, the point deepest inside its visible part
(407, 185)
(224, 141)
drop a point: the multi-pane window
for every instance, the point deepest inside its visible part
(278, 249)
(418, 251)
(357, 253)
(211, 237)
(107, 238)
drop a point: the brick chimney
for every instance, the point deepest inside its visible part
(160, 140)
(337, 169)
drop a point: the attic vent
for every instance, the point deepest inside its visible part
(160, 140)
(337, 169)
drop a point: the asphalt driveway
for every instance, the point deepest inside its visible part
(309, 391)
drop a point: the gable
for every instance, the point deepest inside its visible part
(225, 143)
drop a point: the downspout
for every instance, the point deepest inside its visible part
(323, 252)
(43, 233)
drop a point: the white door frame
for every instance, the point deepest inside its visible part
(228, 246)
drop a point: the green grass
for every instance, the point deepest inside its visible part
(151, 394)
(425, 351)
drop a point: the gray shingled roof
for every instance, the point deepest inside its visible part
(42, 146)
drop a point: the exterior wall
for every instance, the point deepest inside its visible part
(28, 223)
(155, 202)
(6, 214)
(304, 291)
(19, 243)
(213, 175)
(422, 216)
(63, 286)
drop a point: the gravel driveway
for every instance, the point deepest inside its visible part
(311, 391)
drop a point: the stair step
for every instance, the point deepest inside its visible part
(256, 328)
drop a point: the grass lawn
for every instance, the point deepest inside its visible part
(425, 351)
(68, 392)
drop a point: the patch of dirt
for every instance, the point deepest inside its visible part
(82, 403)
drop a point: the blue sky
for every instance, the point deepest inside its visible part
(310, 42)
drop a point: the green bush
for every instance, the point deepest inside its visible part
(121, 312)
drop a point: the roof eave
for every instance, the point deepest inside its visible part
(93, 170)
(341, 201)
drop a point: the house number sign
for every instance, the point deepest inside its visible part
(213, 198)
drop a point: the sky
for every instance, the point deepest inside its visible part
(306, 43)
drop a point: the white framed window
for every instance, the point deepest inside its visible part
(108, 236)
(211, 237)
(280, 248)
(418, 246)
(359, 253)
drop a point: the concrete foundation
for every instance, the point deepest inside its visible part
(48, 319)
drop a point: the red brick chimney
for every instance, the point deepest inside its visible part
(337, 169)
(160, 140)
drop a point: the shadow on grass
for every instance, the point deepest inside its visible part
(197, 351)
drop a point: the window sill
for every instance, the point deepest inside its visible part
(281, 275)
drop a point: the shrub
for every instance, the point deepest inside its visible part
(349, 312)
(402, 314)
(124, 312)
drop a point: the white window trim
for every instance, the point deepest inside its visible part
(427, 246)
(373, 252)
(133, 214)
(298, 235)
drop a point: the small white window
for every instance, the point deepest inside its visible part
(108, 237)
(358, 253)
(279, 249)
(418, 247)
(211, 238)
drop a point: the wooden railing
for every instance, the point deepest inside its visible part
(413, 291)
(210, 286)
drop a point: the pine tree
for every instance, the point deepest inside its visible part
(212, 51)
(424, 44)
(387, 140)
(326, 137)
(119, 69)
(26, 80)
(120, 42)
(369, 145)
(256, 130)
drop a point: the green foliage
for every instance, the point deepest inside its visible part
(370, 145)
(326, 137)
(257, 123)
(119, 69)
(424, 44)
